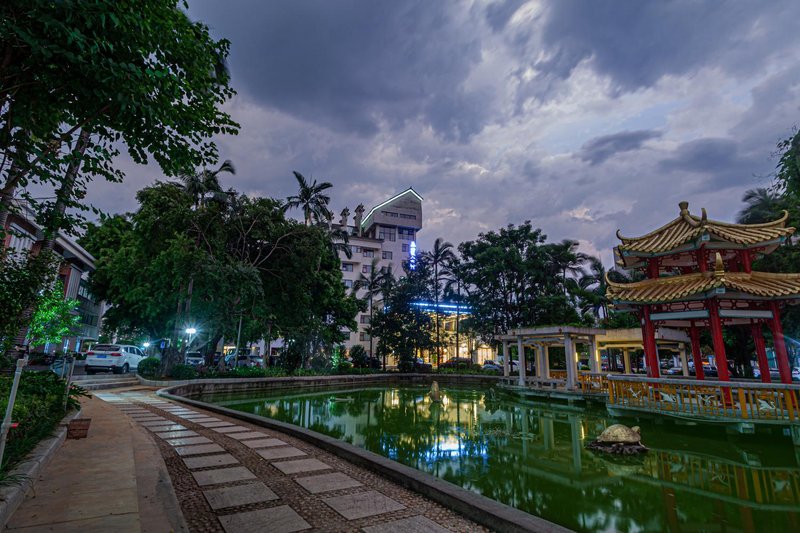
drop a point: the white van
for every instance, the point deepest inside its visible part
(117, 358)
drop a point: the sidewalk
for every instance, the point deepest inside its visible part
(113, 480)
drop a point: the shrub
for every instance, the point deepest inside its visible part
(149, 367)
(358, 354)
(39, 407)
(181, 371)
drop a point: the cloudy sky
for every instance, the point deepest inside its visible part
(581, 116)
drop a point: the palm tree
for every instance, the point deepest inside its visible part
(205, 182)
(374, 284)
(310, 199)
(439, 256)
(339, 240)
(763, 205)
(453, 284)
(591, 285)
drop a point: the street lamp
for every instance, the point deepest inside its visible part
(191, 332)
(146, 344)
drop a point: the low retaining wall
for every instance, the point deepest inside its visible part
(196, 387)
(490, 513)
(27, 471)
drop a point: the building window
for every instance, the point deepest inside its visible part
(348, 284)
(405, 247)
(363, 336)
(21, 240)
(390, 214)
(387, 234)
(369, 253)
(365, 319)
(347, 267)
(408, 217)
(387, 255)
(355, 249)
(405, 234)
(366, 269)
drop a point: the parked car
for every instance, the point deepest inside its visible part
(373, 362)
(116, 358)
(673, 371)
(244, 360)
(491, 366)
(457, 362)
(194, 359)
(421, 366)
(513, 366)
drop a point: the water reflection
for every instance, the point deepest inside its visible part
(532, 456)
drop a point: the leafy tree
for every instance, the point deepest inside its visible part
(762, 205)
(54, 317)
(206, 182)
(311, 200)
(373, 286)
(80, 78)
(359, 356)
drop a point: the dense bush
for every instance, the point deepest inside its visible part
(181, 371)
(149, 367)
(38, 409)
(358, 354)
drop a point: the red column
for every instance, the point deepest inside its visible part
(719, 342)
(746, 261)
(697, 353)
(649, 344)
(761, 351)
(780, 345)
(652, 268)
(702, 259)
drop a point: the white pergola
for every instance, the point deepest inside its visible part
(542, 338)
(631, 339)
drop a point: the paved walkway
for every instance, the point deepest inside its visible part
(232, 476)
(113, 480)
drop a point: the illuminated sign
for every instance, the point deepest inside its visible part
(412, 262)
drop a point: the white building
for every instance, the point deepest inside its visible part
(387, 233)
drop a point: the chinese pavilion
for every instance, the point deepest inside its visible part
(699, 275)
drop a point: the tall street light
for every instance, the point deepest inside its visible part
(191, 332)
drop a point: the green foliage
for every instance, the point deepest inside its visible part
(358, 354)
(182, 371)
(21, 277)
(53, 318)
(38, 409)
(149, 367)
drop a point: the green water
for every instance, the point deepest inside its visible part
(531, 456)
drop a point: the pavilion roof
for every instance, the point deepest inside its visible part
(688, 228)
(760, 285)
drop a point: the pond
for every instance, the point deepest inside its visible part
(532, 456)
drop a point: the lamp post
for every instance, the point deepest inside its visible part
(191, 332)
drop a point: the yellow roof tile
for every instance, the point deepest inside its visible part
(688, 227)
(677, 288)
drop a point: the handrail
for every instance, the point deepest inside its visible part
(754, 385)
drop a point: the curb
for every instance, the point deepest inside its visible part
(12, 496)
(490, 513)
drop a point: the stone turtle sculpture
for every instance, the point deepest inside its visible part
(619, 439)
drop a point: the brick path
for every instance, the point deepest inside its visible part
(235, 477)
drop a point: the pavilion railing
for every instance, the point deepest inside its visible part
(593, 382)
(558, 374)
(748, 401)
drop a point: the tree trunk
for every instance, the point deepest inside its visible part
(55, 221)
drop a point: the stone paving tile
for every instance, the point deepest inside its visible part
(230, 429)
(415, 524)
(177, 434)
(206, 461)
(222, 475)
(148, 418)
(327, 482)
(196, 450)
(187, 441)
(246, 435)
(220, 424)
(164, 427)
(301, 465)
(280, 453)
(281, 519)
(263, 443)
(362, 504)
(239, 495)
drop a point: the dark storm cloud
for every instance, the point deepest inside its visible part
(721, 160)
(637, 42)
(599, 149)
(352, 65)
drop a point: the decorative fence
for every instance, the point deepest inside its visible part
(593, 383)
(747, 401)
